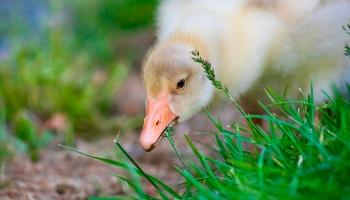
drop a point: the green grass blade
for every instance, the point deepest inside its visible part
(140, 169)
(168, 134)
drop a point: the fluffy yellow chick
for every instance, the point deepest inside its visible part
(251, 44)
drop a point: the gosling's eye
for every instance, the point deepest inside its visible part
(181, 84)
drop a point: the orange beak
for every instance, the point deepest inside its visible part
(158, 117)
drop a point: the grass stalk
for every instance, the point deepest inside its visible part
(144, 174)
(169, 135)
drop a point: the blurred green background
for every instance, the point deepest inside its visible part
(61, 66)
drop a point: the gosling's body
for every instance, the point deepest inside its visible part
(275, 45)
(252, 44)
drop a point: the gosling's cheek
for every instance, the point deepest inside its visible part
(179, 110)
(190, 111)
(175, 108)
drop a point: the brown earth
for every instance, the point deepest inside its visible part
(63, 174)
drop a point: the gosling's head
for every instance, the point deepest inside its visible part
(176, 89)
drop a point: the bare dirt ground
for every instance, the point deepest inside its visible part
(62, 174)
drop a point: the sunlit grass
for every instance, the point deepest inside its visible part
(303, 153)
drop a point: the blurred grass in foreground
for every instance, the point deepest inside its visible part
(62, 64)
(299, 155)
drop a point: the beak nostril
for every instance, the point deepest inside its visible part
(158, 122)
